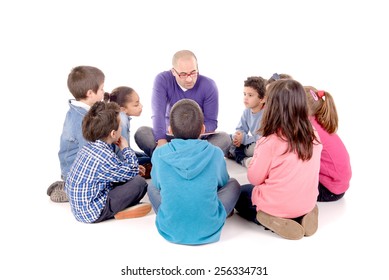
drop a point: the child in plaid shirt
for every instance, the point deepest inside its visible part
(99, 185)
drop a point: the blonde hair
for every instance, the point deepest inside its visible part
(322, 106)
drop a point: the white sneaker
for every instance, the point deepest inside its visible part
(246, 161)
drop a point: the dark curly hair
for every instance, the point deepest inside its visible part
(100, 120)
(257, 83)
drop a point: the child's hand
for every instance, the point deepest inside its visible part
(122, 143)
(237, 139)
(142, 170)
(161, 142)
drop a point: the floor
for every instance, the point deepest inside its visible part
(48, 241)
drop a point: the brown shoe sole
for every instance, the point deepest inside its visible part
(135, 211)
(286, 228)
(310, 221)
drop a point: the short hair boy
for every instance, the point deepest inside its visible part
(246, 133)
(86, 84)
(191, 191)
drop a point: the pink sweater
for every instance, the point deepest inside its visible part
(335, 167)
(284, 186)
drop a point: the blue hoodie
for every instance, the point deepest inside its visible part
(188, 174)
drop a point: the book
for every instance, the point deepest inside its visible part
(202, 136)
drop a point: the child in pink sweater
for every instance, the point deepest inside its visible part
(335, 168)
(284, 171)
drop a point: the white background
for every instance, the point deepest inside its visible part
(338, 46)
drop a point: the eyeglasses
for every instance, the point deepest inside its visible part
(184, 75)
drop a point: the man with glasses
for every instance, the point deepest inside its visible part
(182, 81)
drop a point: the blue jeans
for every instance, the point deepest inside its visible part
(228, 195)
(142, 158)
(144, 138)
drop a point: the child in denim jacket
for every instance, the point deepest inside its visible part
(86, 84)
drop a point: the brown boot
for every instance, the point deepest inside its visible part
(286, 228)
(310, 221)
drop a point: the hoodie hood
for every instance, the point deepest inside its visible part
(188, 158)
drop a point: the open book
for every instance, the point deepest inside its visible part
(202, 136)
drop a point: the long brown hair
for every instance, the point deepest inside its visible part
(286, 115)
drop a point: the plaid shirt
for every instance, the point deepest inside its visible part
(91, 176)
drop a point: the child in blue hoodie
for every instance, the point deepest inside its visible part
(190, 191)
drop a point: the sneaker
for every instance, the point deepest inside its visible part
(136, 211)
(286, 228)
(59, 196)
(57, 193)
(310, 221)
(53, 186)
(231, 214)
(239, 154)
(147, 167)
(230, 156)
(246, 161)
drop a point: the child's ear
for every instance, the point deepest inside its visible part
(113, 134)
(89, 92)
(203, 129)
(169, 130)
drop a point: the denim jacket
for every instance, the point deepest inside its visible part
(125, 123)
(71, 140)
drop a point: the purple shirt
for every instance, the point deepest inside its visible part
(166, 92)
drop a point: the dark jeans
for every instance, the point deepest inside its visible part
(244, 205)
(145, 139)
(142, 158)
(123, 195)
(246, 209)
(239, 153)
(326, 196)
